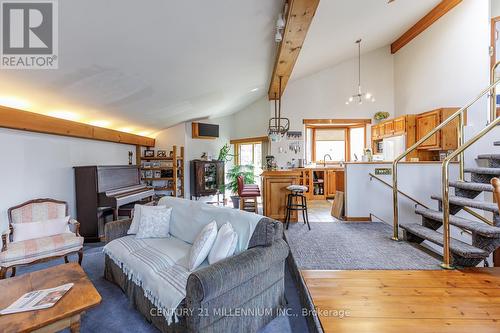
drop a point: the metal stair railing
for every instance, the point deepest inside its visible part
(458, 153)
(446, 189)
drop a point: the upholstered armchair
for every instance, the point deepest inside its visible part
(38, 246)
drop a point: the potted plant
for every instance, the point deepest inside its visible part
(247, 171)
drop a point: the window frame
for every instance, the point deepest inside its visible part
(347, 130)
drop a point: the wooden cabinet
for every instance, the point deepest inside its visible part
(389, 128)
(375, 132)
(207, 177)
(425, 123)
(446, 139)
(399, 125)
(334, 182)
(274, 192)
(331, 183)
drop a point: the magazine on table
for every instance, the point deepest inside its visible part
(37, 300)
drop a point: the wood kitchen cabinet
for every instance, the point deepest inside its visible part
(334, 182)
(399, 125)
(447, 138)
(275, 193)
(375, 132)
(389, 128)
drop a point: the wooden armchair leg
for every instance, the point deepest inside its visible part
(3, 272)
(80, 257)
(13, 271)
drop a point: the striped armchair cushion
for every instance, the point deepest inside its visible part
(27, 251)
(35, 212)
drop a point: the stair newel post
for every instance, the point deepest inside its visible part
(395, 206)
(446, 215)
(460, 144)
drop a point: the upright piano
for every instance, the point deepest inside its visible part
(105, 187)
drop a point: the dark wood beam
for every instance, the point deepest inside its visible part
(435, 14)
(298, 19)
(34, 122)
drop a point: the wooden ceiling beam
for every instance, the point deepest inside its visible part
(34, 122)
(435, 14)
(298, 19)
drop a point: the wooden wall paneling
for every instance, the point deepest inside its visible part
(298, 20)
(435, 14)
(34, 122)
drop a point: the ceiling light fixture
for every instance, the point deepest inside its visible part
(360, 95)
(278, 127)
(280, 25)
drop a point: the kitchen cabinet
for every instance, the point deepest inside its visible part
(388, 128)
(275, 193)
(331, 183)
(446, 139)
(375, 132)
(334, 182)
(399, 126)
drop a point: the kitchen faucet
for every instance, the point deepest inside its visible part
(324, 159)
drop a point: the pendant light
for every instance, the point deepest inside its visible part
(359, 96)
(278, 127)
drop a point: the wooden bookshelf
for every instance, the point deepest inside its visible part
(174, 184)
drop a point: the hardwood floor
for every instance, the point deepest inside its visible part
(406, 301)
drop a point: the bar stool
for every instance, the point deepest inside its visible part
(297, 191)
(248, 194)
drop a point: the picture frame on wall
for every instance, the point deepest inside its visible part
(149, 153)
(161, 153)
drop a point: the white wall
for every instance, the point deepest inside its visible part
(251, 121)
(495, 8)
(446, 65)
(181, 135)
(40, 165)
(323, 94)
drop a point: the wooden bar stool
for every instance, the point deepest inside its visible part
(297, 191)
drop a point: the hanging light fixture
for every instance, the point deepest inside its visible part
(360, 96)
(278, 127)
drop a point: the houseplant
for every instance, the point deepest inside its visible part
(247, 171)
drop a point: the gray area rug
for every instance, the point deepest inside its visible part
(353, 246)
(116, 315)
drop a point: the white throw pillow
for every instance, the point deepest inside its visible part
(136, 220)
(154, 223)
(202, 245)
(31, 230)
(224, 245)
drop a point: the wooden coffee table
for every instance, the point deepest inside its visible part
(64, 314)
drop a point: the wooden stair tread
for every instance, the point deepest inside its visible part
(458, 247)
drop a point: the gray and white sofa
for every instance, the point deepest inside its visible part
(241, 293)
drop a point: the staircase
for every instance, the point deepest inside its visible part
(485, 237)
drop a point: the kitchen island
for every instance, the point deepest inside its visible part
(322, 183)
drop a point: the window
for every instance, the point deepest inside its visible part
(330, 142)
(249, 151)
(343, 142)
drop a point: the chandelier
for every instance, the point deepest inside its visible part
(278, 126)
(360, 96)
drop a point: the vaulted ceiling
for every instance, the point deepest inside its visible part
(140, 66)
(339, 23)
(143, 66)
